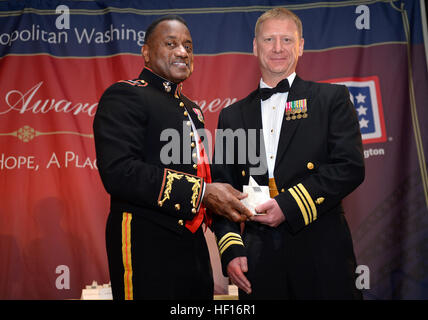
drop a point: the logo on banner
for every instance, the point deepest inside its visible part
(365, 95)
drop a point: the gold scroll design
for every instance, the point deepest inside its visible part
(27, 133)
(196, 186)
(168, 188)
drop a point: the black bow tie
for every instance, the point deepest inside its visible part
(282, 86)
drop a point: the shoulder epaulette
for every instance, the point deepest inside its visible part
(136, 83)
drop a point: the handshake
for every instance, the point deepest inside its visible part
(223, 199)
(253, 204)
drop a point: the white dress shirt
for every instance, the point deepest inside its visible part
(272, 115)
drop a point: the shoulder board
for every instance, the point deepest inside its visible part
(135, 83)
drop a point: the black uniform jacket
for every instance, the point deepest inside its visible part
(319, 159)
(146, 151)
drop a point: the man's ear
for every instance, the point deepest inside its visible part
(254, 47)
(145, 53)
(302, 42)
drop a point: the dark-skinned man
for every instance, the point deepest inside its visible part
(159, 202)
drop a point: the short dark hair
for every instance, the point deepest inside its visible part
(154, 24)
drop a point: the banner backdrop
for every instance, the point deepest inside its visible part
(57, 58)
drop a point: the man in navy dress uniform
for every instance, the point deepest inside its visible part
(300, 247)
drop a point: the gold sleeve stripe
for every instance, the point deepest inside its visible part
(228, 240)
(300, 204)
(309, 199)
(308, 210)
(229, 243)
(227, 235)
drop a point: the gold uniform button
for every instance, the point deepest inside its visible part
(180, 222)
(243, 173)
(195, 166)
(319, 200)
(192, 144)
(181, 104)
(194, 210)
(191, 134)
(194, 155)
(310, 165)
(282, 190)
(177, 206)
(185, 113)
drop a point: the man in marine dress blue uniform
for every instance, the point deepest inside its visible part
(300, 247)
(154, 236)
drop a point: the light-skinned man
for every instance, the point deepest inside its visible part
(300, 246)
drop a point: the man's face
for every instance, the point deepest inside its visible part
(169, 52)
(277, 47)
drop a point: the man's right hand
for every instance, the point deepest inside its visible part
(224, 200)
(236, 269)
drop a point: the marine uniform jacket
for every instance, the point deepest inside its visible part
(139, 122)
(319, 159)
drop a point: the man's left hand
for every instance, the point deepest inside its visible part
(272, 214)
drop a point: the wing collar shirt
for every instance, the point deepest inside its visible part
(272, 114)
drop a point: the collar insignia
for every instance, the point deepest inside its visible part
(167, 86)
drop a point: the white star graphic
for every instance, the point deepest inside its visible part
(364, 123)
(360, 98)
(361, 110)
